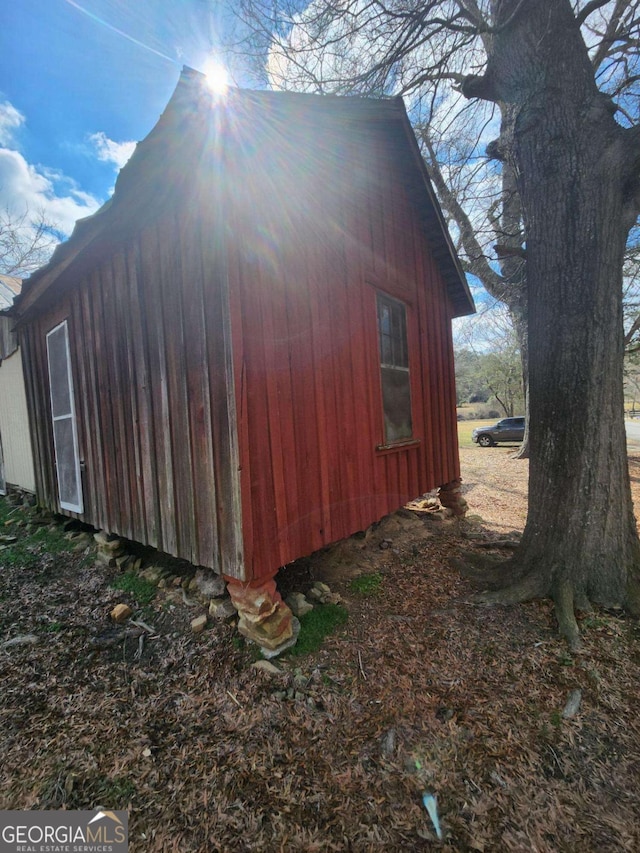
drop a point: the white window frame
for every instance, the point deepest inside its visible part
(79, 507)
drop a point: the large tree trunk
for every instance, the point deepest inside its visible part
(574, 166)
(520, 321)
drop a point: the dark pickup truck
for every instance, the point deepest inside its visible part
(508, 429)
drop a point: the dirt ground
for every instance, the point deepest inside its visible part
(420, 692)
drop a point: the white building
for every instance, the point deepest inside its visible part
(16, 457)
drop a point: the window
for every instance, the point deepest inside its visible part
(65, 436)
(394, 369)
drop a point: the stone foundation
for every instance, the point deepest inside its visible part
(264, 618)
(450, 496)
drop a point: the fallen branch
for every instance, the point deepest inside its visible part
(230, 694)
(362, 672)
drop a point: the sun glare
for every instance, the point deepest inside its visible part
(217, 76)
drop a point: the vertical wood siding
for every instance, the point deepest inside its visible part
(152, 380)
(225, 357)
(303, 279)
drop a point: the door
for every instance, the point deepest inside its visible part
(3, 482)
(65, 434)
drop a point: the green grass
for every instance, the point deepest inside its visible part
(82, 790)
(315, 626)
(31, 543)
(140, 588)
(465, 428)
(116, 791)
(366, 584)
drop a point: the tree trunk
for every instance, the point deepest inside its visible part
(522, 331)
(513, 267)
(574, 167)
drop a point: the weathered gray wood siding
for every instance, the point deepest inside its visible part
(148, 326)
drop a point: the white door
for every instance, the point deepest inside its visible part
(3, 482)
(65, 434)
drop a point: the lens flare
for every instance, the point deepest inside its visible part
(217, 76)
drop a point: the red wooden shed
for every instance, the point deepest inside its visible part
(246, 353)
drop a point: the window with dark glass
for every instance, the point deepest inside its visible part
(394, 369)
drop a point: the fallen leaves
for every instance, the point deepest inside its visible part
(209, 754)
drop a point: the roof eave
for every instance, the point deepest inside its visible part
(456, 280)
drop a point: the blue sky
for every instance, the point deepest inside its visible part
(80, 82)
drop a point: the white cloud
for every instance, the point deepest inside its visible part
(10, 120)
(25, 188)
(34, 191)
(111, 152)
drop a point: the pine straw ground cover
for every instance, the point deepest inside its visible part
(419, 691)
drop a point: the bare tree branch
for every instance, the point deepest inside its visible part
(26, 242)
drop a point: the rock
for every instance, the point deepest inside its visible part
(388, 744)
(80, 537)
(266, 666)
(450, 496)
(221, 608)
(111, 555)
(298, 604)
(209, 584)
(319, 592)
(199, 624)
(573, 705)
(121, 613)
(153, 574)
(286, 644)
(300, 681)
(107, 541)
(316, 596)
(264, 617)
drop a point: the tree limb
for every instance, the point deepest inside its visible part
(591, 7)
